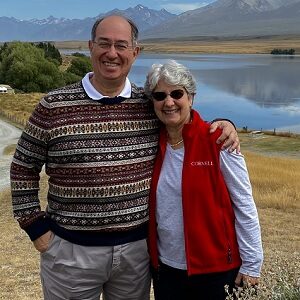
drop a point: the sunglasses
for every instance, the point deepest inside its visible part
(161, 96)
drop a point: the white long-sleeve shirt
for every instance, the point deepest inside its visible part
(169, 213)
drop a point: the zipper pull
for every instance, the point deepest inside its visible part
(229, 256)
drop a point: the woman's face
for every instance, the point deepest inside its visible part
(175, 104)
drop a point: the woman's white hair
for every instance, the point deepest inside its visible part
(172, 73)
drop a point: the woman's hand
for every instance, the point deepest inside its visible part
(243, 280)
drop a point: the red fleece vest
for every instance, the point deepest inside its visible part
(208, 217)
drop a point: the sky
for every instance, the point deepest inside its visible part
(80, 9)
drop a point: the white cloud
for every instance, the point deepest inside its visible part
(178, 8)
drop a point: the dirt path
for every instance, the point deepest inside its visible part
(8, 135)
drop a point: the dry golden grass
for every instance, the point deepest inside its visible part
(279, 144)
(275, 181)
(250, 46)
(245, 45)
(18, 107)
(72, 45)
(9, 150)
(18, 259)
(276, 189)
(66, 62)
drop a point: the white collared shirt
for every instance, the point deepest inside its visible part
(95, 95)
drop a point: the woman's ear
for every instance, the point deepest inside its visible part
(191, 99)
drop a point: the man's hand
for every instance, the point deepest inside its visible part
(41, 244)
(229, 135)
(243, 280)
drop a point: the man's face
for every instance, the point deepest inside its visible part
(112, 51)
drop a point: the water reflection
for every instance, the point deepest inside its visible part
(273, 84)
(257, 91)
(267, 80)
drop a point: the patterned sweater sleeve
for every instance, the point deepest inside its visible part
(247, 225)
(27, 163)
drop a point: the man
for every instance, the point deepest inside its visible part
(98, 140)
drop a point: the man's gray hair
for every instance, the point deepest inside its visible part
(134, 29)
(172, 73)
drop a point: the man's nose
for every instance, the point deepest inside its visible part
(112, 50)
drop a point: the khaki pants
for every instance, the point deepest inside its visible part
(70, 271)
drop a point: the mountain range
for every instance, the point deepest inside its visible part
(222, 18)
(62, 29)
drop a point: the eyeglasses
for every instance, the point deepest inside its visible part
(119, 46)
(161, 96)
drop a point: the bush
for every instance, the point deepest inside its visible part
(280, 281)
(25, 67)
(78, 54)
(70, 78)
(283, 51)
(80, 66)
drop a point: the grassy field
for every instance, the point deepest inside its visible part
(276, 189)
(245, 45)
(18, 114)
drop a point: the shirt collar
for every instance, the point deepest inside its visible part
(95, 95)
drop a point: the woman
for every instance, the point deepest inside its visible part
(204, 229)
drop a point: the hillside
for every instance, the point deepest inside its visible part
(233, 18)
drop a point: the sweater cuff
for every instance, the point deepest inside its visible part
(221, 119)
(37, 228)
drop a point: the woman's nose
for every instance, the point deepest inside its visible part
(169, 100)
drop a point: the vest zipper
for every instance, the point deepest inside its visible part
(229, 255)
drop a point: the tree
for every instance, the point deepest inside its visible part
(78, 54)
(80, 65)
(50, 51)
(24, 67)
(277, 51)
(71, 77)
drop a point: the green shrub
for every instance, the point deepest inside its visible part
(25, 67)
(283, 51)
(80, 66)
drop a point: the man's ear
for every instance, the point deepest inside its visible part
(91, 44)
(136, 51)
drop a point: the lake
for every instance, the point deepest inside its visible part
(261, 92)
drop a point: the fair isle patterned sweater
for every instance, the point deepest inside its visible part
(99, 159)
